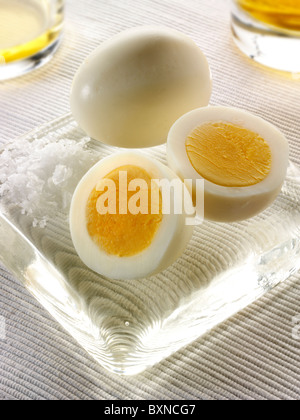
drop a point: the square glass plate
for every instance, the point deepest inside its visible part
(128, 326)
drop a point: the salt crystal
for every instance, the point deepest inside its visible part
(40, 175)
(61, 174)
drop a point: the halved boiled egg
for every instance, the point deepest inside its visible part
(242, 159)
(118, 219)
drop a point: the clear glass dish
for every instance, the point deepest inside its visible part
(128, 326)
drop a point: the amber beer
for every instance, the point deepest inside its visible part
(283, 14)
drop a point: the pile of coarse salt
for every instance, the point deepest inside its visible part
(38, 176)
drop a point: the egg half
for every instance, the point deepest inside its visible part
(241, 158)
(134, 86)
(118, 223)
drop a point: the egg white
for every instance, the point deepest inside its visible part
(230, 204)
(134, 86)
(169, 241)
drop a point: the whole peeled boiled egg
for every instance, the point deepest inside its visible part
(241, 158)
(134, 86)
(119, 225)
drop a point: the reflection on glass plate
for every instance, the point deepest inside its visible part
(128, 326)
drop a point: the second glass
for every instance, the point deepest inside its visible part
(268, 31)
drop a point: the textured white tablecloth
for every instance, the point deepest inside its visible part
(253, 355)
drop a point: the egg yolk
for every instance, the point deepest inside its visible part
(128, 234)
(228, 155)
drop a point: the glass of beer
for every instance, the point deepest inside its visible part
(30, 31)
(268, 31)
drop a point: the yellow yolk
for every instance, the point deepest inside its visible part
(228, 155)
(123, 235)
